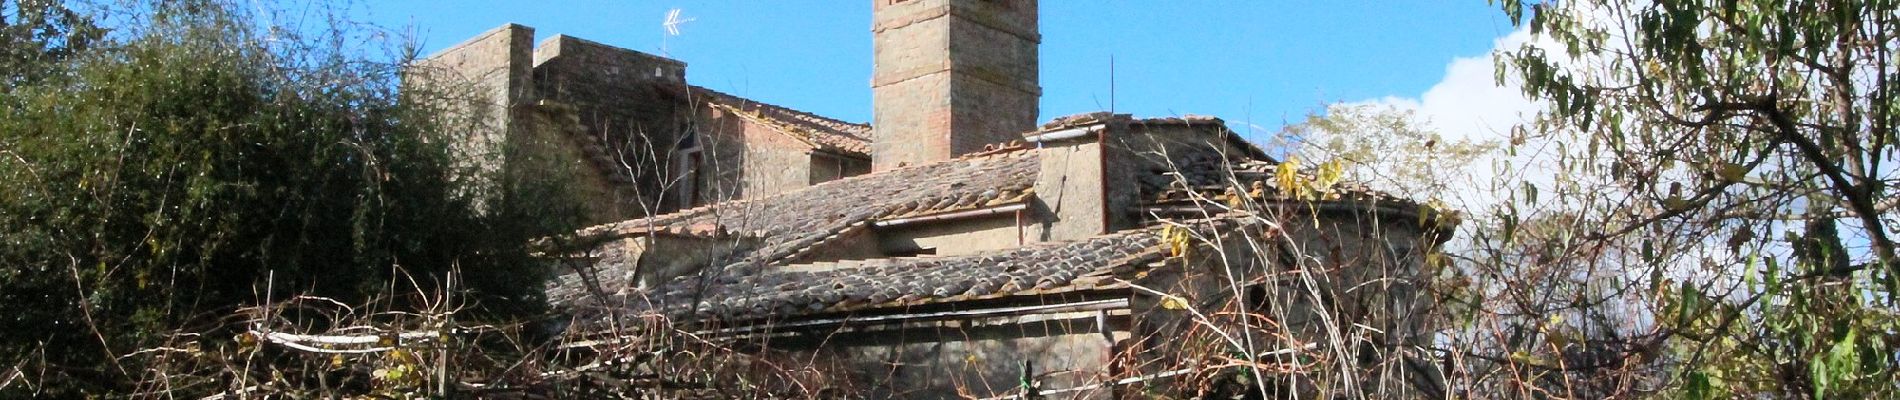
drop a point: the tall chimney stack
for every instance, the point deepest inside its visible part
(951, 76)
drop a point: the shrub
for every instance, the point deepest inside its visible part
(197, 162)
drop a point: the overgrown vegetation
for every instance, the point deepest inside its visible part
(1720, 216)
(163, 175)
(1385, 147)
(194, 204)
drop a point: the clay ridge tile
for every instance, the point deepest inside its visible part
(819, 131)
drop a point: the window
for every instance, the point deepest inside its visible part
(690, 180)
(913, 252)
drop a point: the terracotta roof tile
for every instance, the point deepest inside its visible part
(789, 223)
(818, 131)
(837, 287)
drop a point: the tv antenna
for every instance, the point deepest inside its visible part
(672, 26)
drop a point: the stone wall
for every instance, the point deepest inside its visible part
(478, 84)
(631, 103)
(1321, 274)
(555, 131)
(1370, 264)
(974, 359)
(950, 77)
(954, 237)
(775, 163)
(620, 112)
(1069, 202)
(826, 167)
(749, 159)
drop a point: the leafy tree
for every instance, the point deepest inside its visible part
(1727, 192)
(1389, 148)
(159, 182)
(37, 33)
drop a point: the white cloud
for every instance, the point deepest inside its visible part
(1468, 103)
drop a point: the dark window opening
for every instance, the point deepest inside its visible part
(694, 180)
(921, 251)
(690, 166)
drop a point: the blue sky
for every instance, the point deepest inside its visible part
(1265, 61)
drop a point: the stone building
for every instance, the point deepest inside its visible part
(954, 247)
(647, 141)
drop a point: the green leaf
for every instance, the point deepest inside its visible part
(1697, 386)
(1773, 275)
(1749, 273)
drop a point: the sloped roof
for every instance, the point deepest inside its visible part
(1259, 177)
(898, 282)
(1104, 262)
(789, 223)
(817, 131)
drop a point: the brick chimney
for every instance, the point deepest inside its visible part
(951, 76)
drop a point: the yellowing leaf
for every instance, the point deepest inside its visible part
(1177, 240)
(1558, 338)
(1731, 172)
(1288, 176)
(1173, 303)
(1676, 203)
(1330, 173)
(402, 356)
(246, 342)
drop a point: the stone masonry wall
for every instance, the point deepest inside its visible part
(630, 102)
(482, 79)
(774, 163)
(553, 129)
(951, 76)
(994, 90)
(975, 360)
(744, 159)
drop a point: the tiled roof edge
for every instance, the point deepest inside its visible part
(1104, 117)
(731, 97)
(596, 231)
